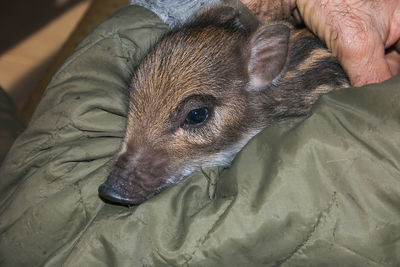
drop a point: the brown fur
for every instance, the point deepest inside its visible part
(247, 79)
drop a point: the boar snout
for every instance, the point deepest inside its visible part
(135, 177)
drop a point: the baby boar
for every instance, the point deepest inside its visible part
(205, 90)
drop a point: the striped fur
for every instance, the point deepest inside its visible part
(247, 78)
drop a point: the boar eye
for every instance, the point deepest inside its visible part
(196, 116)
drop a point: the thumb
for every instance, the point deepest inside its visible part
(365, 66)
(393, 59)
(352, 37)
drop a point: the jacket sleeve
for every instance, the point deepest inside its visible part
(320, 191)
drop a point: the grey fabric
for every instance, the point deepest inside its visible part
(177, 13)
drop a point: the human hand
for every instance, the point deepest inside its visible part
(363, 34)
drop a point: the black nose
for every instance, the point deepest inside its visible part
(112, 195)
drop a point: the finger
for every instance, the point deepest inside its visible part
(368, 70)
(393, 60)
(362, 54)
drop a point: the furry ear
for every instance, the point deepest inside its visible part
(220, 15)
(266, 54)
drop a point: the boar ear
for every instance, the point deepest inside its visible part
(220, 15)
(266, 54)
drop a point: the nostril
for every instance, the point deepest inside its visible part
(135, 177)
(108, 193)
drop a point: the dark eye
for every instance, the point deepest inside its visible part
(196, 116)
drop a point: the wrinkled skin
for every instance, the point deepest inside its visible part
(363, 34)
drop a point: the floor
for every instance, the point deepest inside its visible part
(35, 32)
(36, 37)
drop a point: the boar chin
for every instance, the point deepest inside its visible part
(121, 187)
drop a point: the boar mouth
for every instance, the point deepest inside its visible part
(114, 196)
(123, 190)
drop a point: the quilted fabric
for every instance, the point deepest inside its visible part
(321, 191)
